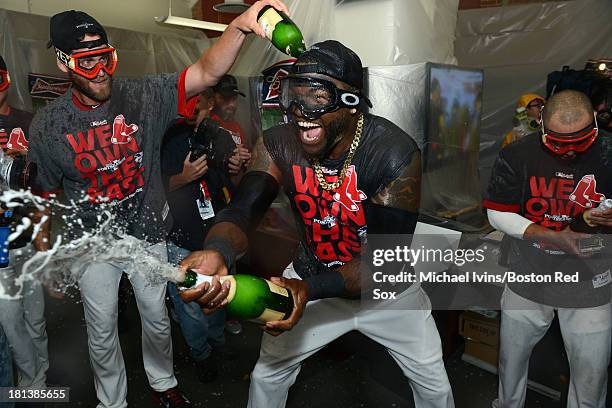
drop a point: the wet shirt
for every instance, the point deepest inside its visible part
(108, 158)
(14, 129)
(332, 224)
(531, 181)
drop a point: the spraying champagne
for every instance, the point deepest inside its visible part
(249, 297)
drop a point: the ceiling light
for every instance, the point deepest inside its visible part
(188, 22)
(231, 6)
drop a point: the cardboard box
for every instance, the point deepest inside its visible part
(483, 352)
(479, 328)
(481, 336)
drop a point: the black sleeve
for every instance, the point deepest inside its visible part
(253, 197)
(224, 148)
(174, 150)
(504, 190)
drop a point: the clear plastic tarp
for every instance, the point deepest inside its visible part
(381, 32)
(23, 44)
(517, 46)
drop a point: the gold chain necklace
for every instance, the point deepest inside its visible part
(319, 170)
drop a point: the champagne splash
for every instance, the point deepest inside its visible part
(64, 264)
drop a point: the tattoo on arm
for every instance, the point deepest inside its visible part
(262, 161)
(405, 191)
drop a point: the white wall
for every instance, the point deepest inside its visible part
(134, 15)
(397, 32)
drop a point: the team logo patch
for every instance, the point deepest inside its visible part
(585, 194)
(348, 194)
(122, 133)
(17, 140)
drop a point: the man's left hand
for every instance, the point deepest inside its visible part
(16, 152)
(299, 291)
(245, 155)
(234, 165)
(603, 218)
(247, 21)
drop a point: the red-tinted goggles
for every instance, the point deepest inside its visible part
(89, 63)
(562, 143)
(5, 80)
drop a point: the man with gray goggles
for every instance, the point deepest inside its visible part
(315, 96)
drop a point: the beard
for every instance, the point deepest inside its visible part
(226, 115)
(83, 85)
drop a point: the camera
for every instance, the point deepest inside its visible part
(214, 142)
(16, 173)
(197, 150)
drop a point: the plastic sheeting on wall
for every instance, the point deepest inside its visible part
(517, 46)
(23, 44)
(381, 32)
(398, 32)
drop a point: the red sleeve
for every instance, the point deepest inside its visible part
(492, 205)
(185, 107)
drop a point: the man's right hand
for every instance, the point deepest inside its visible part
(567, 241)
(194, 170)
(210, 297)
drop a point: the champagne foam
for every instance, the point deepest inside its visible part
(65, 262)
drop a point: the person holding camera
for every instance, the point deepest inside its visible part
(195, 159)
(224, 112)
(22, 320)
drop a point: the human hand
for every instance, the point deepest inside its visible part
(245, 155)
(234, 164)
(16, 152)
(194, 170)
(567, 240)
(247, 21)
(299, 291)
(600, 217)
(210, 296)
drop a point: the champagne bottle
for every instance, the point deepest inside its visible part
(249, 297)
(581, 222)
(281, 31)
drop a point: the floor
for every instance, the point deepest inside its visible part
(332, 378)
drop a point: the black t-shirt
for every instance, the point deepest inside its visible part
(109, 157)
(200, 199)
(14, 128)
(333, 225)
(530, 180)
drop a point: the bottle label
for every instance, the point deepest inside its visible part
(268, 21)
(269, 315)
(277, 289)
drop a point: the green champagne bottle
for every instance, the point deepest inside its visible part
(250, 297)
(281, 31)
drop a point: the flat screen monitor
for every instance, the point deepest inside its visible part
(450, 188)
